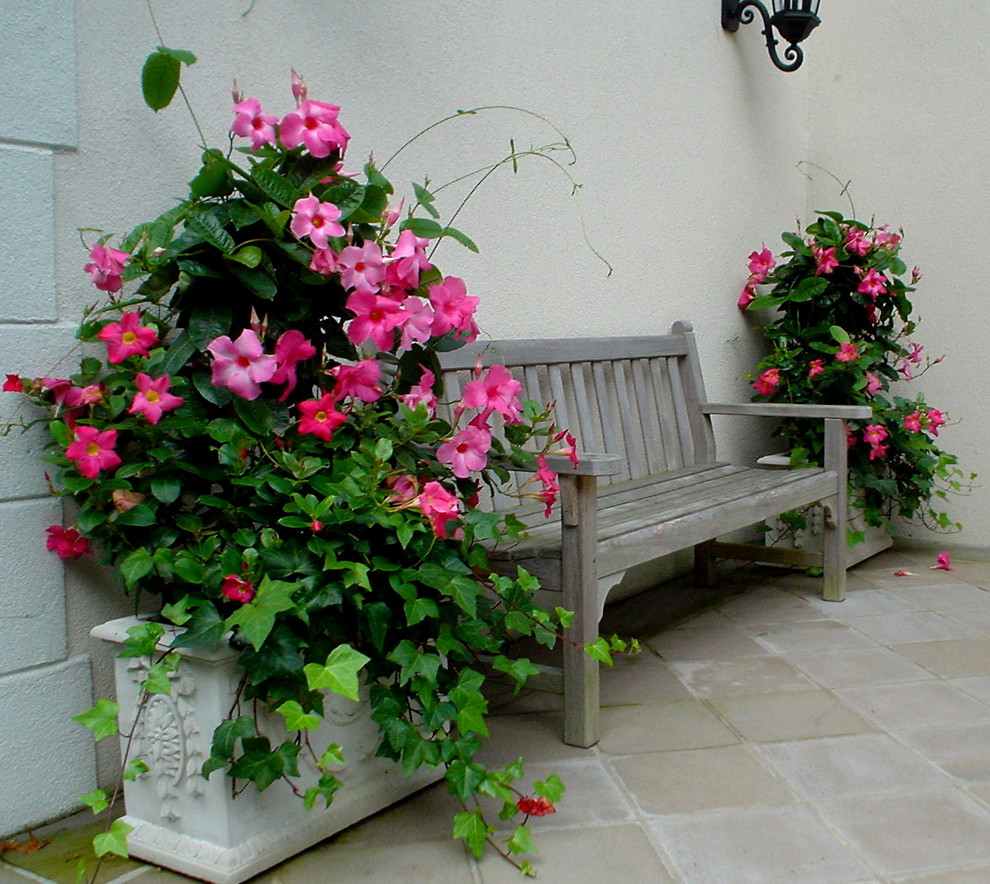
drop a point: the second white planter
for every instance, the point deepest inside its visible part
(199, 827)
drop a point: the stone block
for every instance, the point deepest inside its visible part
(47, 757)
(38, 72)
(27, 231)
(32, 595)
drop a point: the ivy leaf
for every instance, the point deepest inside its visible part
(142, 640)
(101, 719)
(471, 826)
(204, 627)
(296, 718)
(256, 619)
(339, 674)
(552, 788)
(470, 703)
(599, 650)
(114, 840)
(258, 763)
(325, 788)
(522, 841)
(333, 756)
(157, 679)
(227, 733)
(135, 768)
(95, 800)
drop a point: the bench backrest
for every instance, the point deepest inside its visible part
(634, 396)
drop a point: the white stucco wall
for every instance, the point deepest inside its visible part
(901, 109)
(686, 137)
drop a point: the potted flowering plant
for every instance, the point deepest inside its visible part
(843, 333)
(253, 442)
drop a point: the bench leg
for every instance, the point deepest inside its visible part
(834, 536)
(580, 585)
(704, 564)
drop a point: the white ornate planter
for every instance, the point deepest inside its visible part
(810, 538)
(196, 826)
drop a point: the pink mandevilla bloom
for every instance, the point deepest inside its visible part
(467, 451)
(497, 391)
(551, 487)
(847, 353)
(767, 382)
(153, 398)
(760, 264)
(815, 367)
(857, 242)
(237, 589)
(358, 381)
(912, 422)
(291, 348)
(241, 365)
(569, 448)
(324, 262)
(67, 543)
(105, 266)
(320, 417)
(825, 259)
(422, 394)
(873, 283)
(942, 563)
(13, 384)
(936, 419)
(915, 354)
(873, 384)
(418, 326)
(406, 261)
(403, 489)
(92, 451)
(906, 370)
(453, 309)
(298, 87)
(251, 122)
(440, 507)
(127, 338)
(316, 220)
(884, 239)
(874, 435)
(314, 124)
(746, 297)
(361, 268)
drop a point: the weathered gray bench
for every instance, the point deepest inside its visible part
(649, 482)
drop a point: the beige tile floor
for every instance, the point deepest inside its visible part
(771, 739)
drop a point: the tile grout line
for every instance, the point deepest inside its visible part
(25, 873)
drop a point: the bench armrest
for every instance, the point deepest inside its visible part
(789, 409)
(590, 464)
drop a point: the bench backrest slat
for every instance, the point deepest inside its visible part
(634, 396)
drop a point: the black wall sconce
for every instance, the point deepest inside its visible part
(793, 19)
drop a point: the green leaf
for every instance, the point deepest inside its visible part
(339, 674)
(113, 840)
(166, 488)
(275, 186)
(256, 619)
(95, 800)
(204, 627)
(296, 718)
(138, 564)
(325, 788)
(839, 334)
(183, 55)
(135, 768)
(599, 650)
(258, 763)
(522, 841)
(471, 826)
(157, 680)
(142, 640)
(249, 256)
(423, 227)
(255, 415)
(160, 79)
(462, 238)
(101, 719)
(333, 756)
(552, 788)
(209, 226)
(227, 733)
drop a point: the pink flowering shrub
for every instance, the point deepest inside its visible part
(259, 452)
(842, 333)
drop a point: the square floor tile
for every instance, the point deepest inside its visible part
(944, 596)
(643, 678)
(744, 675)
(810, 635)
(709, 643)
(962, 751)
(913, 626)
(860, 764)
(915, 704)
(953, 658)
(966, 876)
(772, 845)
(653, 727)
(793, 715)
(856, 668)
(701, 779)
(913, 831)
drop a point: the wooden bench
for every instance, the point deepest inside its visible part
(649, 482)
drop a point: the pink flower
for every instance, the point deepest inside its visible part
(105, 267)
(467, 451)
(241, 365)
(496, 391)
(915, 274)
(942, 563)
(320, 417)
(324, 262)
(236, 589)
(936, 419)
(857, 242)
(93, 451)
(767, 382)
(912, 422)
(390, 215)
(847, 353)
(878, 451)
(298, 86)
(316, 220)
(873, 384)
(358, 381)
(291, 348)
(536, 806)
(439, 506)
(361, 268)
(884, 239)
(760, 264)
(825, 259)
(13, 384)
(453, 309)
(251, 122)
(67, 543)
(418, 326)
(872, 284)
(152, 398)
(422, 393)
(403, 489)
(406, 261)
(314, 124)
(747, 296)
(905, 369)
(569, 448)
(815, 367)
(551, 487)
(875, 434)
(127, 338)
(915, 354)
